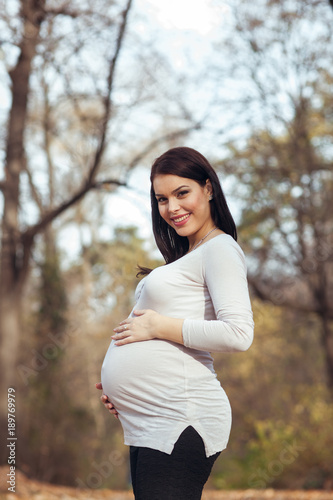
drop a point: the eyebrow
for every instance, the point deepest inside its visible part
(175, 190)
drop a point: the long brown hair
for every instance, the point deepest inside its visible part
(188, 163)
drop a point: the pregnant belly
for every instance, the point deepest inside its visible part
(144, 376)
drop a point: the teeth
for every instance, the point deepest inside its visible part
(181, 218)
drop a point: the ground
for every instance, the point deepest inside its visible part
(27, 489)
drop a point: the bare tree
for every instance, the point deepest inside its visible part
(283, 169)
(16, 242)
(64, 117)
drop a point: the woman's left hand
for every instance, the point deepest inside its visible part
(143, 326)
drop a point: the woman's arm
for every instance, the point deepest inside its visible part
(225, 276)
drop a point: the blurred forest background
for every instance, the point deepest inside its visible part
(91, 93)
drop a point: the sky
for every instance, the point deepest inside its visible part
(199, 16)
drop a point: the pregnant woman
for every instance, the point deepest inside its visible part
(158, 375)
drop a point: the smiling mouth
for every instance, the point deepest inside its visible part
(180, 219)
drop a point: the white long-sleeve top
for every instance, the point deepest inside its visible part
(160, 387)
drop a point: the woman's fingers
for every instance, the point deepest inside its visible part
(108, 405)
(123, 328)
(127, 320)
(113, 411)
(106, 402)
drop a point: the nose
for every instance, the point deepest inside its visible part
(173, 205)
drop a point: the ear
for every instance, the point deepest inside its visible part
(209, 189)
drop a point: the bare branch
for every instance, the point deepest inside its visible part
(167, 137)
(46, 138)
(107, 183)
(33, 189)
(65, 10)
(284, 297)
(89, 183)
(52, 214)
(107, 100)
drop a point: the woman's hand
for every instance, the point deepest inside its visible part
(107, 403)
(143, 326)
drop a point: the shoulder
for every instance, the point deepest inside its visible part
(223, 250)
(223, 243)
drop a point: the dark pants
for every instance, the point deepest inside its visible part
(179, 476)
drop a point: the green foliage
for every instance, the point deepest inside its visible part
(282, 433)
(287, 453)
(111, 268)
(53, 300)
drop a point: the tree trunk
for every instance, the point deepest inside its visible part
(15, 254)
(10, 323)
(327, 342)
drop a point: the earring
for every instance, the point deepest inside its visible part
(211, 197)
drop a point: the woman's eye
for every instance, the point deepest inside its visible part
(162, 199)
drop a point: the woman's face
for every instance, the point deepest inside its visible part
(184, 205)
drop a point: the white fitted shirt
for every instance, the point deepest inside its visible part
(160, 387)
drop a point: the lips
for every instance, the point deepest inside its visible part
(180, 220)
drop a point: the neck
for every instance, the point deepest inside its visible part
(201, 240)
